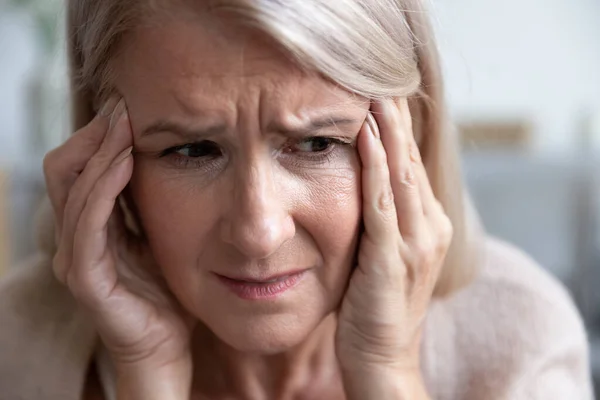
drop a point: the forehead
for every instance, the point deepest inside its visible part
(202, 64)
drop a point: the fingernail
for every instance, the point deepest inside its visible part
(117, 113)
(123, 155)
(109, 106)
(401, 104)
(367, 128)
(372, 125)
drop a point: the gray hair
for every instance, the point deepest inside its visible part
(373, 48)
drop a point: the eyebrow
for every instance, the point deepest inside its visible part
(164, 126)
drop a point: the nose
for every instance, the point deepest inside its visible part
(258, 221)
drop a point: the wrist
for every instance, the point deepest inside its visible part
(154, 382)
(384, 383)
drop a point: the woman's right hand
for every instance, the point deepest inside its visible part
(110, 271)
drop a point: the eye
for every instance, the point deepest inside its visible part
(314, 144)
(316, 150)
(196, 150)
(194, 155)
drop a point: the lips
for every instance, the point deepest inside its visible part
(260, 288)
(262, 279)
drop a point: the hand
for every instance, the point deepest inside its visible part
(405, 240)
(109, 270)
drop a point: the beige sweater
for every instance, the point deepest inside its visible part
(512, 334)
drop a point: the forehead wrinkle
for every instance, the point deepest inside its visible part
(271, 84)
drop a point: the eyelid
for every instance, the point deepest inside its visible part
(342, 138)
(173, 149)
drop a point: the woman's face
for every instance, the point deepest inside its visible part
(244, 171)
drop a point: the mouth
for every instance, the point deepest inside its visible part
(262, 288)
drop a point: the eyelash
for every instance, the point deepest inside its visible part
(185, 161)
(317, 157)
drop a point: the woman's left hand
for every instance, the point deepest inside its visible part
(404, 244)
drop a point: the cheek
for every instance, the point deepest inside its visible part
(333, 222)
(333, 217)
(175, 214)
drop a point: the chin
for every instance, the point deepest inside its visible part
(264, 334)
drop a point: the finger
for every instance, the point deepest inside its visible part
(430, 204)
(428, 198)
(118, 138)
(116, 224)
(440, 225)
(63, 165)
(396, 142)
(379, 213)
(93, 273)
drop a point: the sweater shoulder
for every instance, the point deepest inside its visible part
(514, 320)
(45, 340)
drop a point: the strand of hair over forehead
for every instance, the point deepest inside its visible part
(365, 46)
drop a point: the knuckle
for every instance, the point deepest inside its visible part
(445, 233)
(416, 252)
(448, 228)
(398, 274)
(50, 163)
(423, 252)
(407, 178)
(385, 201)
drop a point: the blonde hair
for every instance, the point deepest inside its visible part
(374, 48)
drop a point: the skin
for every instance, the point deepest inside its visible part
(363, 222)
(264, 205)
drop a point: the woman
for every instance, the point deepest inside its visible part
(268, 205)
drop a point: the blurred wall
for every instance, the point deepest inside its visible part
(18, 51)
(521, 58)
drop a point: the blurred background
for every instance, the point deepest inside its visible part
(523, 84)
